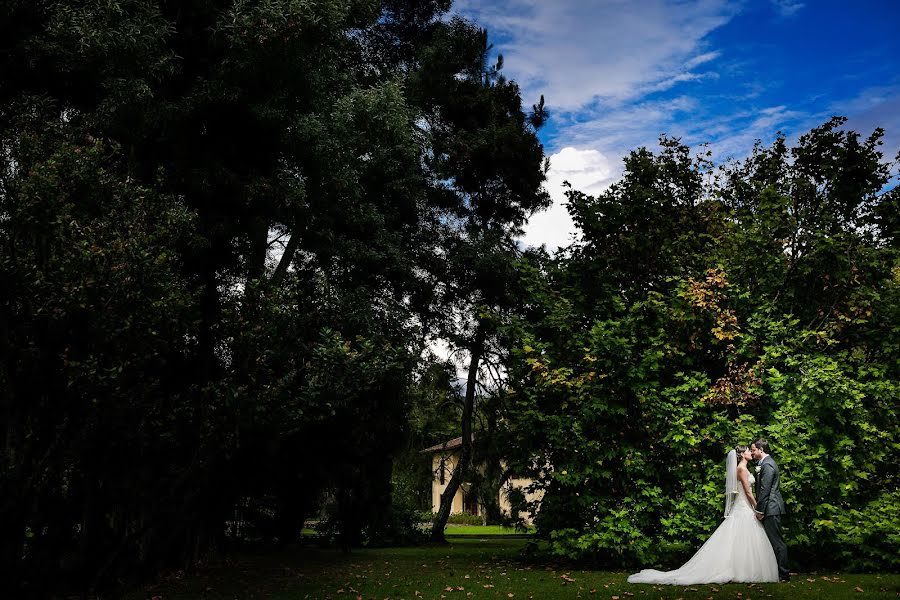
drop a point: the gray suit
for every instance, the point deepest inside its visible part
(771, 505)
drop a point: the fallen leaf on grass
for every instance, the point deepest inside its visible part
(858, 589)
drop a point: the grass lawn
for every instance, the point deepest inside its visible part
(457, 530)
(484, 530)
(468, 568)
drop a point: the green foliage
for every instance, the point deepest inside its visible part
(465, 519)
(227, 231)
(696, 316)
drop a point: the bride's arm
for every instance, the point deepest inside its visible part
(745, 483)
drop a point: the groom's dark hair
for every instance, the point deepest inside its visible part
(762, 444)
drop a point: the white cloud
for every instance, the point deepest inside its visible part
(875, 107)
(786, 8)
(702, 59)
(587, 170)
(578, 52)
(616, 130)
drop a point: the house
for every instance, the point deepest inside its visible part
(444, 458)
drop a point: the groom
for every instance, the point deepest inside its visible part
(769, 504)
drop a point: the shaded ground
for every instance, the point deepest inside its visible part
(469, 568)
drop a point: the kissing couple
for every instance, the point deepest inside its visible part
(748, 546)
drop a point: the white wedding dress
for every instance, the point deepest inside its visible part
(738, 550)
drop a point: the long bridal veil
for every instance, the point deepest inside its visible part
(731, 481)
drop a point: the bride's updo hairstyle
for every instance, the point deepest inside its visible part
(739, 450)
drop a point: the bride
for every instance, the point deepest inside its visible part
(738, 550)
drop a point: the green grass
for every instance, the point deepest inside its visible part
(469, 568)
(485, 530)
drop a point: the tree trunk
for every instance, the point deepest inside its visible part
(256, 259)
(286, 258)
(465, 453)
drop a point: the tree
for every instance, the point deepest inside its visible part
(700, 310)
(271, 221)
(489, 167)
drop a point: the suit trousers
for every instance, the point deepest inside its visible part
(772, 525)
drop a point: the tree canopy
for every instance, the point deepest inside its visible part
(228, 230)
(702, 308)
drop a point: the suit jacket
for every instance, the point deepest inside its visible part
(768, 489)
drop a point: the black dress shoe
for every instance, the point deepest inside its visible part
(784, 579)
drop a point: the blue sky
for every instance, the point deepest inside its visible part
(616, 74)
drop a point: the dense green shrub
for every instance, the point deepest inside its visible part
(697, 313)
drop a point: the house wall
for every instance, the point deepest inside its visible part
(450, 460)
(437, 488)
(520, 484)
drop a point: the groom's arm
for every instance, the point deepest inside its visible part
(766, 477)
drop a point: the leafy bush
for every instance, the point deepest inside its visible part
(465, 519)
(689, 319)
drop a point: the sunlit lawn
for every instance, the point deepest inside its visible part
(451, 530)
(485, 530)
(469, 568)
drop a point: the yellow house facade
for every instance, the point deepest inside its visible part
(444, 458)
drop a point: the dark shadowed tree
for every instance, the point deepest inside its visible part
(223, 227)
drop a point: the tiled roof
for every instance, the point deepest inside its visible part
(448, 445)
